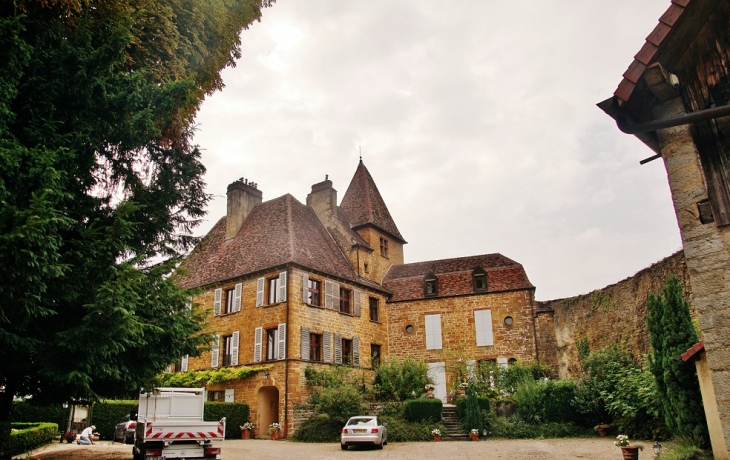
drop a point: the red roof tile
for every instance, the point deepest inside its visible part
(363, 204)
(455, 276)
(693, 351)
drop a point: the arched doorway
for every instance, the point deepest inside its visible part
(268, 409)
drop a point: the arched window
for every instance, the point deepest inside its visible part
(480, 279)
(430, 285)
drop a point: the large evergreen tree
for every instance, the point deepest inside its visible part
(672, 333)
(100, 186)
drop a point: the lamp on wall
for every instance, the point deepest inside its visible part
(266, 375)
(657, 448)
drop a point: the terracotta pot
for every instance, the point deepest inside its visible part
(275, 435)
(462, 391)
(602, 430)
(429, 393)
(437, 437)
(474, 437)
(630, 452)
(245, 433)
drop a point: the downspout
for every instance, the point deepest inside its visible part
(286, 358)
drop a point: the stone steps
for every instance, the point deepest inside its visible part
(452, 424)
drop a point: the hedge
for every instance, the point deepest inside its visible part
(27, 436)
(484, 405)
(27, 411)
(320, 428)
(107, 414)
(423, 410)
(236, 414)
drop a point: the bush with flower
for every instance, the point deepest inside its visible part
(435, 432)
(247, 426)
(429, 386)
(274, 427)
(474, 431)
(622, 440)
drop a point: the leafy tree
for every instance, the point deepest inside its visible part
(100, 186)
(672, 333)
(400, 380)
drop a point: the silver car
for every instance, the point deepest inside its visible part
(366, 430)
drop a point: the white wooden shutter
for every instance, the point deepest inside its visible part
(357, 296)
(305, 289)
(214, 351)
(189, 303)
(237, 297)
(234, 349)
(483, 326)
(504, 362)
(356, 351)
(281, 294)
(257, 339)
(305, 344)
(327, 347)
(282, 341)
(217, 302)
(228, 395)
(471, 369)
(330, 291)
(260, 284)
(338, 349)
(433, 332)
(184, 364)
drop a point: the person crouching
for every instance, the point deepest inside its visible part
(87, 436)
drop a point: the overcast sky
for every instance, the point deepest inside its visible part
(476, 118)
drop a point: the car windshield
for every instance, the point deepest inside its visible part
(369, 421)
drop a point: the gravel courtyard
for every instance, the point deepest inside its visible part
(552, 449)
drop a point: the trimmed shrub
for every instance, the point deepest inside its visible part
(5, 428)
(26, 436)
(106, 414)
(484, 405)
(423, 410)
(545, 401)
(340, 403)
(319, 429)
(28, 411)
(402, 431)
(236, 414)
(500, 427)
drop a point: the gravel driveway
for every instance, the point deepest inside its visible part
(551, 449)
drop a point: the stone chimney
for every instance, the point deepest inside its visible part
(323, 200)
(242, 197)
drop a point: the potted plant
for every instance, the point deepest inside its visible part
(602, 429)
(629, 452)
(436, 433)
(246, 430)
(274, 430)
(462, 388)
(429, 390)
(474, 434)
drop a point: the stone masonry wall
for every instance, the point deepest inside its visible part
(616, 313)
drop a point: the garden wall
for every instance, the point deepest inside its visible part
(616, 313)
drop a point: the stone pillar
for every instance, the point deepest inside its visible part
(707, 252)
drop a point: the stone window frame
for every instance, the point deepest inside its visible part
(345, 302)
(384, 247)
(430, 285)
(376, 354)
(479, 275)
(316, 348)
(319, 303)
(374, 318)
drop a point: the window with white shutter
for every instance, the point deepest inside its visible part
(503, 362)
(327, 347)
(214, 351)
(433, 332)
(357, 303)
(260, 285)
(282, 341)
(234, 349)
(228, 395)
(257, 339)
(281, 294)
(237, 297)
(217, 302)
(184, 364)
(338, 349)
(356, 351)
(483, 326)
(304, 352)
(331, 295)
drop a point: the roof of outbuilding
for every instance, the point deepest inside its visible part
(455, 276)
(363, 204)
(276, 232)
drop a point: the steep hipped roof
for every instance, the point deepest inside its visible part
(276, 232)
(363, 204)
(455, 276)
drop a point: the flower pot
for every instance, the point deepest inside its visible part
(474, 437)
(429, 393)
(275, 435)
(462, 391)
(602, 430)
(245, 433)
(437, 437)
(630, 452)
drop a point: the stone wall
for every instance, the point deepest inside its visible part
(616, 313)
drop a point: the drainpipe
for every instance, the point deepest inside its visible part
(692, 117)
(286, 358)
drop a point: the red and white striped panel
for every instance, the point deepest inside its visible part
(219, 433)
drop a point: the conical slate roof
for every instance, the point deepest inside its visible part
(363, 204)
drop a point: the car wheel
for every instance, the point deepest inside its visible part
(343, 446)
(379, 446)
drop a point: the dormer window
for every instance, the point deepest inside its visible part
(480, 280)
(430, 285)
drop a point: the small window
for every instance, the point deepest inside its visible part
(272, 286)
(346, 351)
(409, 329)
(272, 344)
(508, 320)
(315, 347)
(430, 285)
(366, 267)
(383, 247)
(480, 280)
(230, 294)
(227, 350)
(374, 309)
(511, 362)
(374, 355)
(345, 301)
(217, 396)
(313, 293)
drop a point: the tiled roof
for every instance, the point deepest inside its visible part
(363, 204)
(651, 48)
(276, 232)
(455, 276)
(693, 351)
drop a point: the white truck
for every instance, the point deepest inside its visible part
(170, 425)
